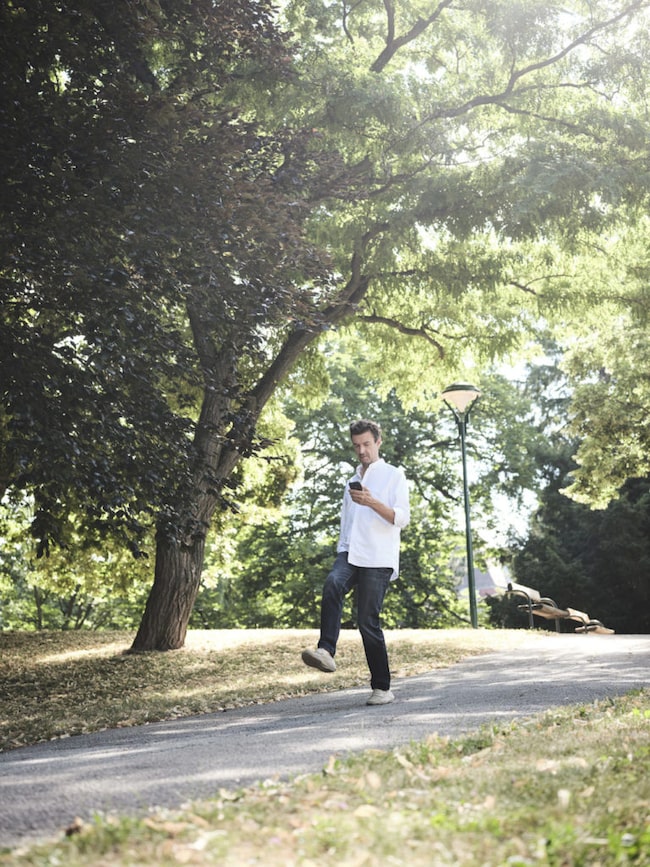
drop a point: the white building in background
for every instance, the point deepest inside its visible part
(490, 583)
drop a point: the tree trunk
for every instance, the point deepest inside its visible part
(179, 562)
(171, 600)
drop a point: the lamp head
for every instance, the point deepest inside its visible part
(460, 397)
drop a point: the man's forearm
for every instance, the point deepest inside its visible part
(382, 510)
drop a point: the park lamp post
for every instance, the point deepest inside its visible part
(460, 398)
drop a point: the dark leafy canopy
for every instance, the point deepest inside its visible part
(142, 213)
(593, 560)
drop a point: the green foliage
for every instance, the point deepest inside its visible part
(593, 560)
(78, 587)
(271, 571)
(610, 411)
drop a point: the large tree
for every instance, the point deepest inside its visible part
(151, 246)
(194, 200)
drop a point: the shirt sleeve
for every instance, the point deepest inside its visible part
(401, 504)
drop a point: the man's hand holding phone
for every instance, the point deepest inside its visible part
(358, 493)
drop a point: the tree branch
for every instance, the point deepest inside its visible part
(393, 44)
(346, 13)
(579, 40)
(404, 329)
(527, 287)
(516, 75)
(299, 338)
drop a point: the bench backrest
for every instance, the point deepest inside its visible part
(528, 592)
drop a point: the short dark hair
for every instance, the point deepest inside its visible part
(363, 425)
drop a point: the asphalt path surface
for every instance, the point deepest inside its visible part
(131, 770)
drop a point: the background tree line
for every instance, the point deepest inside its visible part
(266, 563)
(197, 196)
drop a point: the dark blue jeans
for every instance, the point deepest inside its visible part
(371, 587)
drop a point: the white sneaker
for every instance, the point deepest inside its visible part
(320, 658)
(381, 696)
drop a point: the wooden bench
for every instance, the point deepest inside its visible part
(543, 606)
(536, 604)
(595, 626)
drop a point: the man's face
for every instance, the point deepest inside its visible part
(366, 448)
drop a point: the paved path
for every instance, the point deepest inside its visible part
(43, 788)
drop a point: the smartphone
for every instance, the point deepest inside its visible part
(356, 486)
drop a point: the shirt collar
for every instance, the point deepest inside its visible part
(373, 464)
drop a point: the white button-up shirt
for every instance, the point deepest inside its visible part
(368, 538)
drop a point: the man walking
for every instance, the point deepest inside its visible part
(375, 508)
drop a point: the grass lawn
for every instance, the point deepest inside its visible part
(496, 797)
